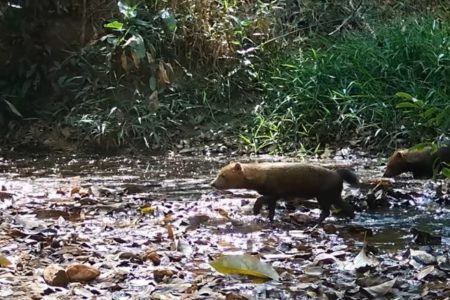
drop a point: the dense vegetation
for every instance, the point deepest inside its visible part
(275, 76)
(386, 87)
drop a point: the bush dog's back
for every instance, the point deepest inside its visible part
(280, 180)
(422, 163)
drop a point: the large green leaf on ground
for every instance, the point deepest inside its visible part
(245, 264)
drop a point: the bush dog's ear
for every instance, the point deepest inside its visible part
(237, 167)
(399, 154)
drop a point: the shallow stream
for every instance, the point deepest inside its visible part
(180, 185)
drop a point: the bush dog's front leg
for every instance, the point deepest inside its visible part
(269, 201)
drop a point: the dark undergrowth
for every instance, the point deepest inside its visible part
(271, 77)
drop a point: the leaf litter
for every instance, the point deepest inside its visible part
(153, 228)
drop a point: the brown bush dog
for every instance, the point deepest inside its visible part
(422, 164)
(282, 180)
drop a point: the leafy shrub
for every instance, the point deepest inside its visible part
(343, 90)
(158, 64)
(155, 68)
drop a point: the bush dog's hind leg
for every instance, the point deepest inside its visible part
(323, 215)
(325, 204)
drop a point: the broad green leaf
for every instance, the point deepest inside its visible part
(114, 25)
(404, 95)
(13, 108)
(246, 23)
(152, 83)
(128, 11)
(245, 139)
(290, 66)
(442, 117)
(419, 102)
(169, 20)
(446, 172)
(143, 23)
(429, 112)
(407, 105)
(245, 264)
(423, 146)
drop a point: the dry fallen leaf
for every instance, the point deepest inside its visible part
(4, 262)
(136, 59)
(154, 257)
(381, 181)
(236, 222)
(324, 258)
(51, 214)
(55, 275)
(75, 190)
(147, 210)
(312, 270)
(424, 272)
(362, 260)
(5, 195)
(192, 289)
(235, 296)
(162, 74)
(160, 275)
(124, 61)
(168, 218)
(153, 101)
(170, 233)
(81, 273)
(223, 213)
(381, 289)
(184, 247)
(422, 257)
(198, 219)
(169, 69)
(329, 229)
(150, 58)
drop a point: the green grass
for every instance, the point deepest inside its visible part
(343, 90)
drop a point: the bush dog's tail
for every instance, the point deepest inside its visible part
(348, 176)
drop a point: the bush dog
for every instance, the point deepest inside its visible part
(422, 164)
(281, 180)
